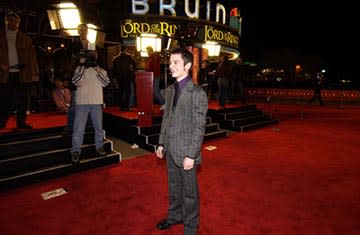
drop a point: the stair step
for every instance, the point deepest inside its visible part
(153, 139)
(212, 127)
(29, 134)
(40, 143)
(237, 115)
(57, 170)
(256, 125)
(33, 161)
(250, 120)
(213, 135)
(148, 130)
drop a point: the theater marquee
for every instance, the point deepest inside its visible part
(130, 28)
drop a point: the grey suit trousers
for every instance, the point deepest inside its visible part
(183, 196)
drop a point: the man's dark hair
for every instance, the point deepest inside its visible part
(81, 25)
(12, 14)
(123, 48)
(206, 62)
(185, 54)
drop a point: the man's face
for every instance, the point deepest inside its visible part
(83, 31)
(177, 67)
(12, 23)
(149, 51)
(204, 64)
(59, 83)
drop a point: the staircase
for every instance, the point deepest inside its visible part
(148, 137)
(36, 155)
(242, 118)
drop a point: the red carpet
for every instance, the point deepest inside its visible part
(54, 119)
(300, 177)
(38, 120)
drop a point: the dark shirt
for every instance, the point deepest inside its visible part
(179, 86)
(183, 82)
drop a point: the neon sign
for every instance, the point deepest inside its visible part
(227, 37)
(160, 28)
(141, 7)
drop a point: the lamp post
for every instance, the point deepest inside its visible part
(65, 16)
(213, 48)
(145, 40)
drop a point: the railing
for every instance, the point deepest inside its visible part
(303, 94)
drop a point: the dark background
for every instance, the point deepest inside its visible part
(325, 29)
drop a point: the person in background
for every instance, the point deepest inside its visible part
(18, 71)
(123, 67)
(223, 73)
(317, 92)
(89, 78)
(204, 76)
(61, 95)
(236, 86)
(153, 65)
(133, 96)
(180, 140)
(80, 44)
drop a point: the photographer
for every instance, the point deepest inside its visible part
(89, 79)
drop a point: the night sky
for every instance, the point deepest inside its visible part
(321, 27)
(327, 28)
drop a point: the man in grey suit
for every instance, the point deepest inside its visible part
(181, 137)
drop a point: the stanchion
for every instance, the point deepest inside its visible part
(341, 106)
(267, 104)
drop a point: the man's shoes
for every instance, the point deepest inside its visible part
(24, 126)
(101, 151)
(75, 158)
(164, 224)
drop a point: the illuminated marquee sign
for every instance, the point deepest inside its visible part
(141, 7)
(221, 36)
(132, 28)
(145, 20)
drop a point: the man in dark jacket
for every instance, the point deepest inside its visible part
(18, 71)
(122, 69)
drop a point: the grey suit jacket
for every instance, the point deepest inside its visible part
(182, 129)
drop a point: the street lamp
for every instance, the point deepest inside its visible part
(212, 47)
(145, 40)
(65, 16)
(91, 36)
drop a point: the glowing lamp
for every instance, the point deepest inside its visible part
(145, 40)
(213, 48)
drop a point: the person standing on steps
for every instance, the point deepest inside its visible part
(89, 78)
